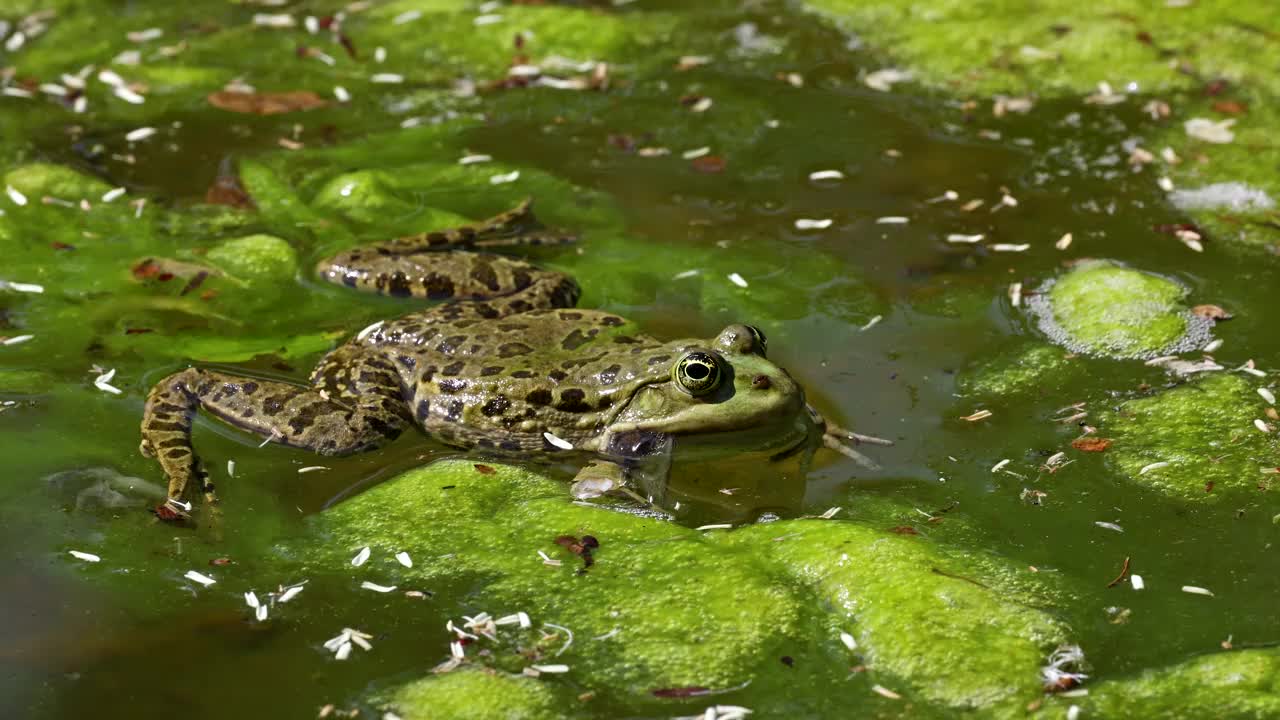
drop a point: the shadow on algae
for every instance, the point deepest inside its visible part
(1058, 356)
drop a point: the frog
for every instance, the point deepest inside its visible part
(504, 365)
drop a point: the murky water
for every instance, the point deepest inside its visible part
(942, 309)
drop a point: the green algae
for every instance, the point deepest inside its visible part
(1205, 431)
(480, 695)
(1060, 48)
(256, 258)
(743, 597)
(1106, 309)
(1238, 684)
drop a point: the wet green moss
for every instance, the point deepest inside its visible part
(1107, 309)
(1205, 431)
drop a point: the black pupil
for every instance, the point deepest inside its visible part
(697, 371)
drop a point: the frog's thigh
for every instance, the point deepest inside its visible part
(288, 414)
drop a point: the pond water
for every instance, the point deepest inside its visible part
(892, 329)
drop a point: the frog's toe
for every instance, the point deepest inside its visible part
(173, 511)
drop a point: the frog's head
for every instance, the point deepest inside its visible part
(723, 396)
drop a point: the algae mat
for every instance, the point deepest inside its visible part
(1034, 245)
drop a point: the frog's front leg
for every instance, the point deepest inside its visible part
(366, 411)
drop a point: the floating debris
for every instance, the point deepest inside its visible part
(366, 585)
(1000, 465)
(1109, 526)
(871, 323)
(17, 339)
(1064, 242)
(201, 578)
(507, 178)
(112, 194)
(1137, 582)
(1261, 425)
(979, 415)
(848, 641)
(103, 383)
(311, 468)
(813, 224)
(1267, 395)
(403, 558)
(289, 593)
(553, 669)
(695, 153)
(387, 78)
(884, 80)
(967, 239)
(1195, 590)
(342, 644)
(361, 557)
(948, 196)
(1153, 466)
(87, 557)
(1210, 131)
(473, 159)
(737, 279)
(820, 175)
(892, 220)
(1009, 247)
(715, 526)
(18, 198)
(885, 692)
(21, 287)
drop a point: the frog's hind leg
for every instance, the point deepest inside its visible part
(362, 412)
(516, 226)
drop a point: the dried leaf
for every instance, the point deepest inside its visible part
(1211, 312)
(266, 103)
(1230, 107)
(1091, 444)
(484, 469)
(709, 164)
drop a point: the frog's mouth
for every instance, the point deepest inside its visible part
(716, 426)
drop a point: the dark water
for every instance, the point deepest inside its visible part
(73, 649)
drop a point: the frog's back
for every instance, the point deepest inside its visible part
(503, 382)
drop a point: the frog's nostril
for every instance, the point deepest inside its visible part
(760, 382)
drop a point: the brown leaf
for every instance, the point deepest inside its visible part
(484, 469)
(266, 103)
(1091, 444)
(709, 164)
(1230, 107)
(1211, 312)
(227, 190)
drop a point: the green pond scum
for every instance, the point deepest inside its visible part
(1034, 244)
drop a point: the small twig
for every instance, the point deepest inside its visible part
(1123, 571)
(944, 573)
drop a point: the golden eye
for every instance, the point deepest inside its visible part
(762, 342)
(697, 373)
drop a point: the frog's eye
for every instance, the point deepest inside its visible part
(697, 373)
(762, 342)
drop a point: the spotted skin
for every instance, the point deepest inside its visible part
(505, 365)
